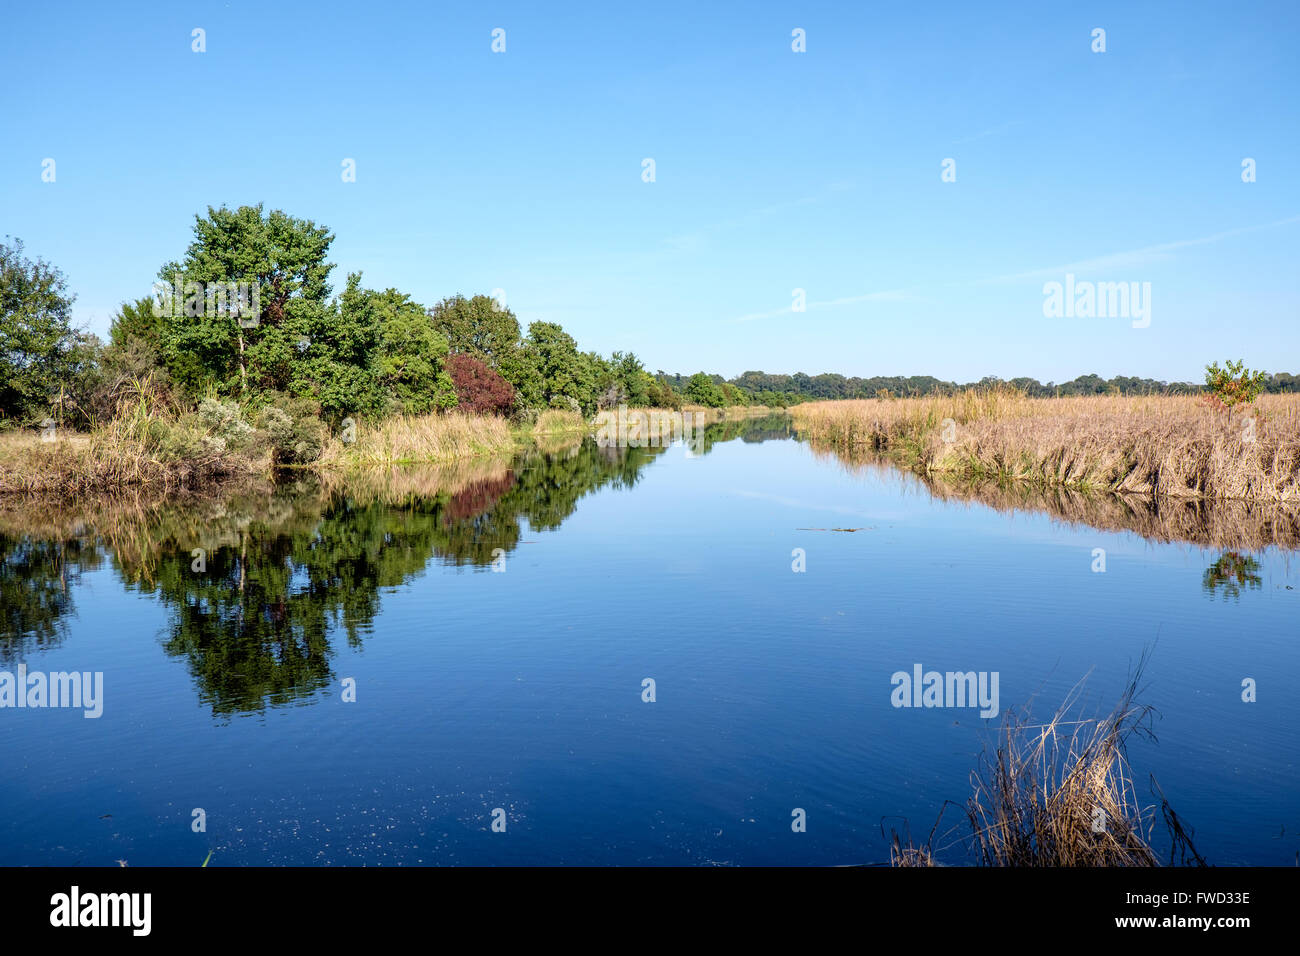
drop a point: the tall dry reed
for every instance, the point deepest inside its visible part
(1172, 446)
(421, 438)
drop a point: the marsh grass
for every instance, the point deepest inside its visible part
(138, 449)
(1062, 793)
(1251, 524)
(1170, 446)
(554, 420)
(420, 438)
(148, 447)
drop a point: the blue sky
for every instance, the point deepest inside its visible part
(774, 170)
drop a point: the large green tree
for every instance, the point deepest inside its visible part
(409, 362)
(567, 376)
(477, 326)
(702, 390)
(43, 358)
(282, 259)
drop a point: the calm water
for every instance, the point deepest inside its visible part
(522, 689)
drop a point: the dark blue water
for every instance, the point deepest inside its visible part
(522, 689)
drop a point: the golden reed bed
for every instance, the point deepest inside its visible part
(1172, 446)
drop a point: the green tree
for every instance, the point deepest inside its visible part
(567, 376)
(1233, 385)
(701, 390)
(477, 326)
(409, 362)
(335, 357)
(282, 260)
(43, 358)
(622, 380)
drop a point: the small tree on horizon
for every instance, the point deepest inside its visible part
(1232, 385)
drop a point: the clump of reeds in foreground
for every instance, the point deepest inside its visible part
(1061, 794)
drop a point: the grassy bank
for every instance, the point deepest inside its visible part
(1155, 445)
(145, 447)
(413, 439)
(117, 456)
(161, 453)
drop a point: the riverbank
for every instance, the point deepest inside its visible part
(159, 453)
(1168, 446)
(120, 455)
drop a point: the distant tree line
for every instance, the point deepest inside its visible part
(762, 388)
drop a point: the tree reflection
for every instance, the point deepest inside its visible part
(259, 582)
(36, 580)
(1230, 573)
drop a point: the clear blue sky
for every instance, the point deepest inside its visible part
(775, 170)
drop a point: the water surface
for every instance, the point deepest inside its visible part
(522, 688)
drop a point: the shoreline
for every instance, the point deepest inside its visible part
(1162, 447)
(107, 461)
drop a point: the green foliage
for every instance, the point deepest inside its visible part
(659, 394)
(409, 362)
(732, 395)
(1233, 385)
(568, 378)
(701, 390)
(45, 363)
(621, 380)
(282, 260)
(478, 327)
(293, 429)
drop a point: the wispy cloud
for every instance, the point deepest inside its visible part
(891, 295)
(1137, 257)
(991, 131)
(697, 239)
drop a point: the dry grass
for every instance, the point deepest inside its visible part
(1251, 525)
(117, 456)
(555, 420)
(422, 438)
(126, 453)
(1170, 446)
(1062, 793)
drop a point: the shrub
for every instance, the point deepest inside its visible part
(224, 423)
(1233, 385)
(479, 388)
(292, 430)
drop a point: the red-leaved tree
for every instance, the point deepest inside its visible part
(479, 388)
